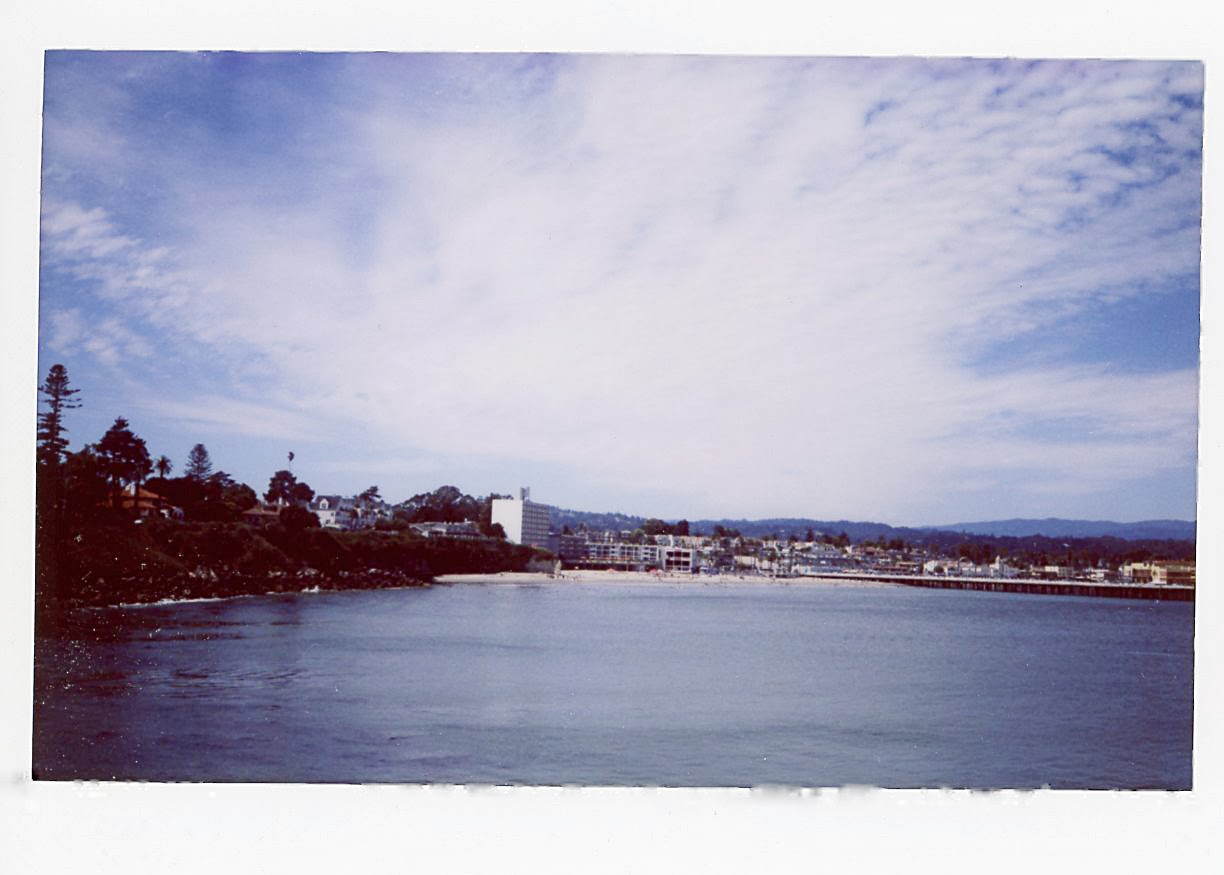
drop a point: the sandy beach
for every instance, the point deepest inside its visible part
(647, 579)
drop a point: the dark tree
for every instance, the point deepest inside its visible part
(54, 491)
(218, 499)
(224, 498)
(52, 445)
(164, 466)
(447, 504)
(199, 466)
(280, 487)
(654, 527)
(682, 528)
(295, 519)
(124, 458)
(283, 486)
(241, 496)
(85, 484)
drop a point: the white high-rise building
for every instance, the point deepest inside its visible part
(524, 521)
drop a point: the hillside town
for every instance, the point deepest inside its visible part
(653, 549)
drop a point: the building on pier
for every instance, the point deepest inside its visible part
(1164, 571)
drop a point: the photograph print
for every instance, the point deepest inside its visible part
(617, 420)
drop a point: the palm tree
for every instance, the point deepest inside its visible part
(164, 466)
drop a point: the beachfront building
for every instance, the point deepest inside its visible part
(1159, 571)
(1171, 572)
(1136, 572)
(523, 520)
(627, 556)
(569, 548)
(1000, 568)
(606, 552)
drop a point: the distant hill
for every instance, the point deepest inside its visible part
(596, 522)
(784, 527)
(1179, 530)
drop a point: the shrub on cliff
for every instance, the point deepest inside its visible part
(220, 547)
(105, 562)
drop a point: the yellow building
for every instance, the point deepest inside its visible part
(1162, 571)
(1170, 572)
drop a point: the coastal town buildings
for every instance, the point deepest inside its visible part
(466, 529)
(628, 556)
(328, 509)
(1002, 569)
(1159, 571)
(349, 514)
(1173, 572)
(677, 551)
(636, 551)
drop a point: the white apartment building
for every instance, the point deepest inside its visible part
(640, 556)
(523, 520)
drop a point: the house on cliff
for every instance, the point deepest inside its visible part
(145, 503)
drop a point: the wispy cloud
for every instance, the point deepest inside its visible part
(230, 416)
(759, 285)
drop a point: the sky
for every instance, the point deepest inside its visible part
(908, 290)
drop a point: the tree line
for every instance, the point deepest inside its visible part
(101, 535)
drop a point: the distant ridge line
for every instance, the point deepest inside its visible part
(1182, 530)
(784, 527)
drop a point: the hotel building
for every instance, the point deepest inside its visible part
(523, 520)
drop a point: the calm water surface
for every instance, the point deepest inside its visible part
(685, 684)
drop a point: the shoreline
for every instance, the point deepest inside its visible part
(635, 578)
(310, 590)
(1015, 587)
(363, 582)
(188, 589)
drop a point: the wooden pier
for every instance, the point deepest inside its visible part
(1151, 591)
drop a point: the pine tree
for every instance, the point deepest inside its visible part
(199, 466)
(51, 493)
(52, 445)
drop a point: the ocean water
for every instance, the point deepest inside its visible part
(687, 684)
